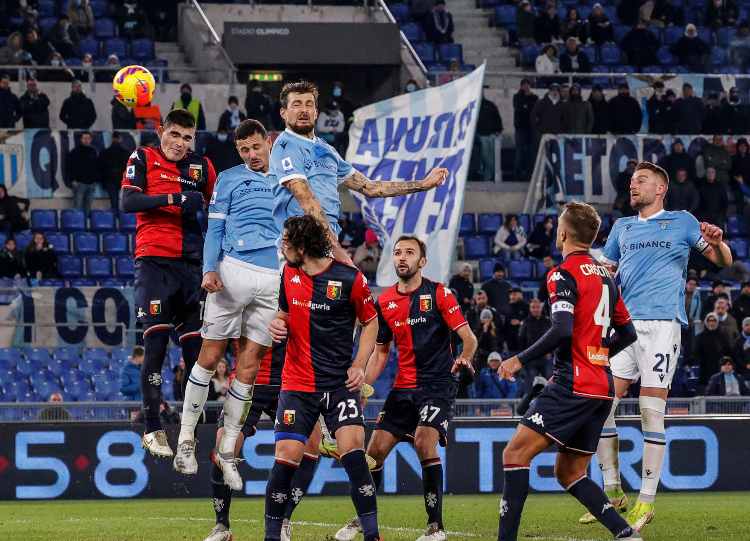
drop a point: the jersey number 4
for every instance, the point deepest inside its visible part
(601, 314)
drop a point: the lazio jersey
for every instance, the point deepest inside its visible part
(294, 156)
(652, 257)
(240, 219)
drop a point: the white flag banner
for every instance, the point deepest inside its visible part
(403, 138)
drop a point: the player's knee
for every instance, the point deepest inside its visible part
(652, 414)
(289, 450)
(425, 445)
(566, 472)
(155, 343)
(512, 454)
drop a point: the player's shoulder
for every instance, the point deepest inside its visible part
(623, 223)
(344, 273)
(388, 295)
(681, 216)
(285, 141)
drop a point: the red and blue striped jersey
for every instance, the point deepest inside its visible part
(271, 365)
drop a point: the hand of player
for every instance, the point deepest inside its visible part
(278, 330)
(211, 282)
(434, 178)
(509, 367)
(189, 202)
(462, 362)
(355, 379)
(712, 233)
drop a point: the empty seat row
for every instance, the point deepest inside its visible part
(75, 220)
(83, 242)
(95, 266)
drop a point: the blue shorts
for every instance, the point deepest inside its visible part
(168, 291)
(298, 412)
(406, 409)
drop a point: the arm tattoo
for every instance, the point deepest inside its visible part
(309, 203)
(360, 183)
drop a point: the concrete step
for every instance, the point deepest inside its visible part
(175, 58)
(479, 41)
(167, 46)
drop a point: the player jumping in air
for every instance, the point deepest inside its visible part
(166, 187)
(570, 412)
(650, 252)
(319, 302)
(419, 315)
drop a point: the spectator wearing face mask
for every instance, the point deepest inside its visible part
(222, 151)
(330, 124)
(64, 37)
(258, 105)
(34, 107)
(736, 112)
(193, 105)
(232, 117)
(106, 76)
(78, 111)
(81, 16)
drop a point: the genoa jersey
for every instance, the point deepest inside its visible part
(322, 312)
(421, 323)
(271, 365)
(166, 231)
(651, 257)
(585, 288)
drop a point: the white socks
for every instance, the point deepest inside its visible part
(196, 393)
(236, 408)
(654, 445)
(608, 449)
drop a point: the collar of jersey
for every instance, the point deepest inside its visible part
(313, 140)
(256, 172)
(410, 293)
(650, 217)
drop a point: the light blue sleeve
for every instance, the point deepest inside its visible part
(692, 229)
(287, 161)
(611, 250)
(218, 210)
(344, 169)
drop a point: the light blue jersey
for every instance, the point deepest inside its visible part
(651, 257)
(294, 156)
(240, 220)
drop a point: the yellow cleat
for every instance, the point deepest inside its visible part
(641, 514)
(617, 498)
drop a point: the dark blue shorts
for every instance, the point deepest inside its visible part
(299, 411)
(573, 422)
(406, 409)
(168, 291)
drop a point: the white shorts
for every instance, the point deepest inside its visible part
(247, 304)
(653, 357)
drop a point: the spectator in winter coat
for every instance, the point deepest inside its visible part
(258, 105)
(640, 46)
(689, 112)
(112, 163)
(678, 159)
(600, 110)
(489, 128)
(474, 313)
(693, 308)
(64, 37)
(573, 60)
(463, 286)
(600, 27)
(741, 352)
(574, 27)
(11, 261)
(13, 53)
(624, 112)
(122, 117)
(330, 125)
(490, 385)
(740, 174)
(40, 258)
(78, 111)
(691, 50)
(715, 155)
(713, 200)
(12, 218)
(533, 328)
(622, 189)
(546, 116)
(540, 242)
(34, 107)
(547, 24)
(710, 346)
(83, 172)
(727, 382)
(682, 193)
(518, 311)
(39, 48)
(510, 239)
(716, 119)
(546, 63)
(232, 117)
(489, 337)
(727, 323)
(498, 290)
(721, 13)
(577, 115)
(657, 106)
(81, 16)
(741, 305)
(130, 376)
(736, 112)
(523, 104)
(438, 26)
(10, 106)
(525, 19)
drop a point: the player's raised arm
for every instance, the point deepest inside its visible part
(392, 188)
(717, 251)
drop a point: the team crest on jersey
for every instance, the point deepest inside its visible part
(154, 307)
(289, 416)
(664, 225)
(195, 171)
(425, 303)
(333, 290)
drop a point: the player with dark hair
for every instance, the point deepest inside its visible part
(309, 170)
(586, 305)
(420, 316)
(166, 187)
(319, 303)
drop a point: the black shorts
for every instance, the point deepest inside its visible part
(265, 400)
(168, 291)
(298, 412)
(406, 409)
(574, 422)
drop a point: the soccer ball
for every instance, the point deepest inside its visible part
(134, 86)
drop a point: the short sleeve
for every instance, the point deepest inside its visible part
(283, 303)
(210, 179)
(693, 231)
(562, 291)
(449, 308)
(621, 315)
(385, 334)
(344, 169)
(134, 176)
(218, 208)
(611, 252)
(287, 162)
(361, 298)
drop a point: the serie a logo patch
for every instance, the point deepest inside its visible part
(425, 303)
(333, 290)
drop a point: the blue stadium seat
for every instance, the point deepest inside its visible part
(70, 266)
(38, 355)
(413, 32)
(52, 282)
(98, 266)
(524, 220)
(400, 12)
(46, 24)
(102, 220)
(451, 51)
(529, 54)
(72, 220)
(739, 247)
(115, 243)
(93, 366)
(60, 242)
(623, 68)
(90, 46)
(425, 51)
(486, 268)
(83, 282)
(47, 8)
(99, 7)
(476, 247)
(120, 354)
(665, 57)
(105, 27)
(67, 353)
(735, 226)
(505, 16)
(489, 222)
(56, 368)
(9, 358)
(719, 56)
(619, 31)
(44, 220)
(672, 34)
(725, 35)
(706, 35)
(85, 243)
(604, 82)
(540, 271)
(125, 267)
(610, 54)
(468, 224)
(127, 222)
(591, 52)
(520, 269)
(174, 355)
(115, 46)
(142, 49)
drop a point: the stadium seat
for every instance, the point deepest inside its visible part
(115, 46)
(425, 51)
(400, 12)
(486, 269)
(72, 220)
(47, 8)
(706, 35)
(120, 354)
(604, 82)
(85, 243)
(529, 54)
(725, 35)
(735, 226)
(476, 247)
(104, 28)
(524, 220)
(142, 49)
(540, 271)
(67, 353)
(610, 54)
(665, 57)
(127, 222)
(451, 51)
(89, 45)
(520, 269)
(93, 366)
(672, 34)
(99, 7)
(98, 266)
(70, 266)
(619, 31)
(125, 267)
(44, 220)
(52, 282)
(83, 282)
(56, 368)
(114, 243)
(115, 282)
(719, 56)
(505, 16)
(60, 242)
(9, 358)
(413, 32)
(468, 224)
(46, 24)
(38, 355)
(102, 220)
(739, 247)
(489, 223)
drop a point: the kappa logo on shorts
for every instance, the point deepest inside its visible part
(333, 290)
(289, 416)
(154, 307)
(537, 419)
(141, 313)
(425, 303)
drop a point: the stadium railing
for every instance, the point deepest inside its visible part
(92, 412)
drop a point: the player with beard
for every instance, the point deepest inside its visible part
(420, 316)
